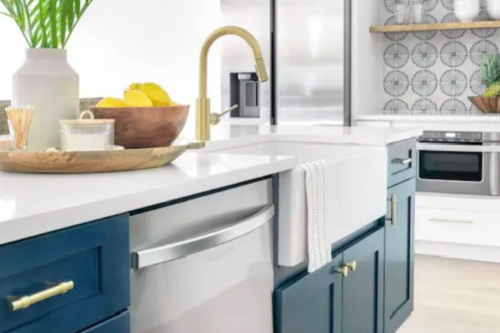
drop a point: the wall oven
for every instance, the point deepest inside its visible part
(459, 163)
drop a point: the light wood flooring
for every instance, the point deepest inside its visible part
(455, 296)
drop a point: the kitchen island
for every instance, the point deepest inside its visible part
(47, 220)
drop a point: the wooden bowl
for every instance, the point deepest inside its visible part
(485, 104)
(147, 127)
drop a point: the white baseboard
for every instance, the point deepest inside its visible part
(458, 251)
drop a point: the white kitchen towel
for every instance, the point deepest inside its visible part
(319, 249)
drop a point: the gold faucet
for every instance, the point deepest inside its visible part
(203, 117)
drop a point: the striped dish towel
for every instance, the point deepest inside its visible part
(319, 249)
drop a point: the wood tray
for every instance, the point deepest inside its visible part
(61, 162)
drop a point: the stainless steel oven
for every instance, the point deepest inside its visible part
(459, 163)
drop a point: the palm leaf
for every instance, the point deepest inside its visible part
(46, 23)
(53, 24)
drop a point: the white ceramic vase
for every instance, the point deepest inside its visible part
(47, 82)
(493, 9)
(467, 10)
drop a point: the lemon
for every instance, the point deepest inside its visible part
(136, 98)
(134, 86)
(110, 102)
(156, 94)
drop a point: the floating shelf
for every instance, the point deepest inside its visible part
(434, 27)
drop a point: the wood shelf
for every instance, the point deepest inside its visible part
(434, 27)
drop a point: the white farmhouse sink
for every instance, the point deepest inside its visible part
(357, 177)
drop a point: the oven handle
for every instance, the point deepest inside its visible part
(494, 174)
(454, 148)
(179, 249)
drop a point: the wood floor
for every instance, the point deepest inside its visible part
(454, 296)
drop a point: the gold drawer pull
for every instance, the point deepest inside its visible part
(394, 206)
(27, 301)
(452, 221)
(344, 270)
(352, 265)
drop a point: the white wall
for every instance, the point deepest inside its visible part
(123, 41)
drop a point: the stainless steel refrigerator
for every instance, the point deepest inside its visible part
(306, 45)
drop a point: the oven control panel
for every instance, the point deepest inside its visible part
(451, 137)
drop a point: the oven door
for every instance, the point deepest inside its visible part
(456, 169)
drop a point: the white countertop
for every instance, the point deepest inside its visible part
(230, 136)
(431, 118)
(36, 204)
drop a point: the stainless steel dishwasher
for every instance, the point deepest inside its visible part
(205, 265)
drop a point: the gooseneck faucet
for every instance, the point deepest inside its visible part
(203, 117)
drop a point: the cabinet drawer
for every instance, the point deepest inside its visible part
(118, 324)
(402, 164)
(76, 277)
(458, 226)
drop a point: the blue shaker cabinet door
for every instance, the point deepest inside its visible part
(118, 324)
(362, 297)
(399, 249)
(83, 271)
(311, 303)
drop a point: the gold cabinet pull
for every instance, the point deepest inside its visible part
(27, 301)
(352, 265)
(344, 270)
(394, 206)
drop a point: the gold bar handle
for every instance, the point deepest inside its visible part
(27, 301)
(394, 206)
(452, 221)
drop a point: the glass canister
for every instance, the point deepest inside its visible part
(87, 133)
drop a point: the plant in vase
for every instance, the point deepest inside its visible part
(46, 80)
(489, 101)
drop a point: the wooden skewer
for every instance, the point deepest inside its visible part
(20, 121)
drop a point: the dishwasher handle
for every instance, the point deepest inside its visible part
(176, 250)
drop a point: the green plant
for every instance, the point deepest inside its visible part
(491, 69)
(46, 23)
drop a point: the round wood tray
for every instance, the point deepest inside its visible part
(91, 161)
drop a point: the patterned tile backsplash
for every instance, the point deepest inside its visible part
(434, 72)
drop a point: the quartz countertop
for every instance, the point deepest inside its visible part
(34, 204)
(231, 136)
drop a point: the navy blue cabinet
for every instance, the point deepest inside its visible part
(363, 288)
(65, 281)
(311, 303)
(345, 296)
(117, 324)
(399, 255)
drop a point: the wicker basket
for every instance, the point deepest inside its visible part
(485, 104)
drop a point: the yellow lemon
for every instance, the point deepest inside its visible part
(135, 98)
(110, 102)
(161, 104)
(134, 86)
(156, 94)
